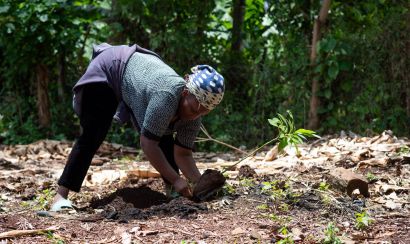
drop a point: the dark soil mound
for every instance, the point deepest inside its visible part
(246, 171)
(141, 197)
(143, 202)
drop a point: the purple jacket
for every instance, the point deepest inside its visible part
(107, 66)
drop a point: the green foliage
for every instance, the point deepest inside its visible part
(49, 35)
(363, 220)
(331, 234)
(360, 59)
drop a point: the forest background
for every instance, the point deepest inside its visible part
(337, 65)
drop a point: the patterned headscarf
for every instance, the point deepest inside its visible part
(206, 85)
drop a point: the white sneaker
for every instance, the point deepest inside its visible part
(61, 204)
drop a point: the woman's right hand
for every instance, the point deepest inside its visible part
(182, 187)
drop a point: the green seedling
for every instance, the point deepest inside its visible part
(228, 189)
(323, 186)
(279, 219)
(187, 242)
(246, 182)
(288, 135)
(363, 220)
(262, 207)
(326, 199)
(284, 207)
(54, 239)
(404, 150)
(288, 236)
(331, 235)
(279, 190)
(371, 177)
(41, 201)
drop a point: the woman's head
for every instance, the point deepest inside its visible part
(204, 91)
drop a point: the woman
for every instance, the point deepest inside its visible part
(132, 83)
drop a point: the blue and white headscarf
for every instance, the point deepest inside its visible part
(207, 85)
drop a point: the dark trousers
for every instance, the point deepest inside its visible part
(98, 108)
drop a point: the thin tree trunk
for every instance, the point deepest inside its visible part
(61, 76)
(408, 98)
(43, 103)
(407, 63)
(314, 101)
(239, 7)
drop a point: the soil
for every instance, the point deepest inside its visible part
(245, 171)
(251, 207)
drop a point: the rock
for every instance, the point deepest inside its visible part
(297, 232)
(256, 235)
(347, 181)
(20, 150)
(390, 204)
(97, 162)
(271, 154)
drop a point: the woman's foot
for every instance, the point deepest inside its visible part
(60, 200)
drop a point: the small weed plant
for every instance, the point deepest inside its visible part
(54, 238)
(280, 219)
(331, 235)
(41, 201)
(228, 189)
(323, 186)
(288, 236)
(363, 220)
(404, 150)
(262, 207)
(247, 182)
(371, 177)
(326, 199)
(278, 190)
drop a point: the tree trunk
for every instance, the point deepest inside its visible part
(407, 60)
(239, 7)
(408, 98)
(61, 76)
(43, 104)
(314, 101)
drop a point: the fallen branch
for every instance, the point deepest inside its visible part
(248, 155)
(210, 138)
(19, 233)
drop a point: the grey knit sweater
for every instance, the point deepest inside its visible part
(152, 90)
